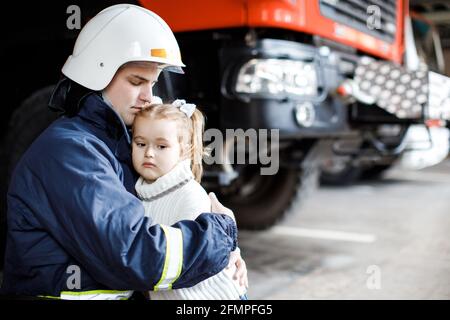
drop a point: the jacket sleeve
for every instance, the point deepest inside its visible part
(102, 226)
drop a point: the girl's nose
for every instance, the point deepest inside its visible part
(149, 153)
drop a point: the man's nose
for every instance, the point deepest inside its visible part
(146, 94)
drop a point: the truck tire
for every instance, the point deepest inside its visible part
(375, 172)
(352, 174)
(26, 123)
(346, 175)
(272, 197)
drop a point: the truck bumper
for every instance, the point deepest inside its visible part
(327, 119)
(296, 116)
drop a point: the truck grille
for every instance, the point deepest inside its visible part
(353, 13)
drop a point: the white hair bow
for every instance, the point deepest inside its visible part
(156, 100)
(186, 108)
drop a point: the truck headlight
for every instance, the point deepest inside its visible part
(277, 76)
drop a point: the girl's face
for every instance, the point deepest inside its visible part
(155, 148)
(131, 88)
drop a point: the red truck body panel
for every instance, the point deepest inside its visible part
(297, 15)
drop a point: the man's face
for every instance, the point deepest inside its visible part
(131, 88)
(155, 148)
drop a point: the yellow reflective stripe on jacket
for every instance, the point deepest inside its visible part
(50, 297)
(96, 295)
(174, 258)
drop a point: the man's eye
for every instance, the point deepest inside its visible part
(135, 83)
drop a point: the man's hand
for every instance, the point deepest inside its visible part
(217, 207)
(235, 256)
(241, 268)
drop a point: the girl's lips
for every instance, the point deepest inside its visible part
(148, 165)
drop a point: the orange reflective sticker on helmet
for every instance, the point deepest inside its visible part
(160, 53)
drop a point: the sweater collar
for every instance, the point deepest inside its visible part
(167, 183)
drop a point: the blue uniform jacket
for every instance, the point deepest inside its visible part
(71, 202)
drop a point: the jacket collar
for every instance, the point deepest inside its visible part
(98, 112)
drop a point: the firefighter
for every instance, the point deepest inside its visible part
(75, 228)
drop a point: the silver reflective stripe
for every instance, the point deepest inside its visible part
(96, 295)
(174, 258)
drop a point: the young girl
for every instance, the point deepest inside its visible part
(167, 152)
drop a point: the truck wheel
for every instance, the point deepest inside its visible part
(259, 201)
(339, 174)
(375, 172)
(26, 123)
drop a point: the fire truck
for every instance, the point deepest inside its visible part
(278, 65)
(341, 80)
(293, 66)
(422, 139)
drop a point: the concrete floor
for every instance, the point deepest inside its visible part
(387, 239)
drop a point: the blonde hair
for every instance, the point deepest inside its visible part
(190, 133)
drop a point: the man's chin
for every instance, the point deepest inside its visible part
(128, 120)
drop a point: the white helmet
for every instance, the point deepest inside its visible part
(119, 34)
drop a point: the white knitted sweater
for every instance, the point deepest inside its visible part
(177, 196)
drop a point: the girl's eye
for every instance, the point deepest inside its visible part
(140, 145)
(162, 147)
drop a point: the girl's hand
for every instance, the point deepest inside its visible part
(217, 207)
